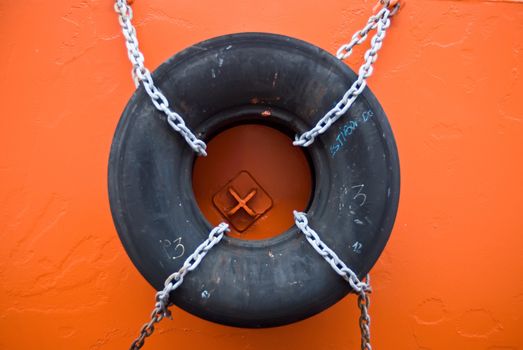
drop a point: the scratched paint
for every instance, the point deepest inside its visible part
(449, 77)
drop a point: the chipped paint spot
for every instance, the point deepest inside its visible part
(430, 312)
(477, 323)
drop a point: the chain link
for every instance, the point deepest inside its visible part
(161, 308)
(142, 75)
(380, 22)
(362, 288)
(363, 305)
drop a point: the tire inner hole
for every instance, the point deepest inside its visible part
(252, 178)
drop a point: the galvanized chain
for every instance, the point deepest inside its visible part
(380, 22)
(142, 75)
(161, 308)
(362, 288)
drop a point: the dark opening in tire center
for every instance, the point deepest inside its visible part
(252, 178)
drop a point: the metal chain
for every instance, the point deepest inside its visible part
(142, 75)
(380, 22)
(161, 308)
(363, 305)
(362, 288)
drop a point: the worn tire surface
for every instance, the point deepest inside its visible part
(356, 174)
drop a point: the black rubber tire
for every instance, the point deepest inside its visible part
(214, 84)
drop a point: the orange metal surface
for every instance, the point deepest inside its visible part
(450, 79)
(259, 165)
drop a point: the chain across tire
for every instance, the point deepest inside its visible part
(161, 308)
(362, 288)
(142, 75)
(379, 22)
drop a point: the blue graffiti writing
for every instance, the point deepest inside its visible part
(347, 129)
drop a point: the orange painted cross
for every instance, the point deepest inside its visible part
(242, 202)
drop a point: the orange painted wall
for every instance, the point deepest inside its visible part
(450, 78)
